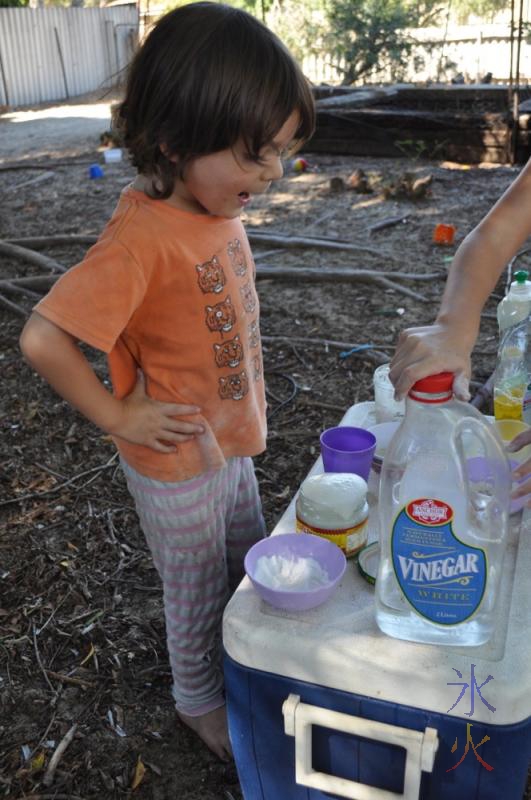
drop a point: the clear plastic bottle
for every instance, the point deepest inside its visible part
(512, 392)
(443, 505)
(516, 305)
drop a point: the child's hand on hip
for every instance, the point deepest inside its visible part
(154, 424)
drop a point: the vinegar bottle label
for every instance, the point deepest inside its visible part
(440, 576)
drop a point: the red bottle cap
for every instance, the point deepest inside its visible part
(440, 384)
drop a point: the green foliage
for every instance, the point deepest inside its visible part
(13, 3)
(367, 37)
(484, 9)
(259, 8)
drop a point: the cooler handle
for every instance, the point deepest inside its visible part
(298, 720)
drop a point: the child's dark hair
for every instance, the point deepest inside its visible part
(206, 76)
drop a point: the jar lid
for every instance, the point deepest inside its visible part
(341, 493)
(368, 560)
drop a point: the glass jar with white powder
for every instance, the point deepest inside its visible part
(334, 505)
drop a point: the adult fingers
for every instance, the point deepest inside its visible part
(460, 386)
(519, 441)
(522, 490)
(522, 469)
(403, 377)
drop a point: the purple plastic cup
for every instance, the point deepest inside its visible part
(348, 449)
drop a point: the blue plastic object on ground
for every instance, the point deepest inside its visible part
(95, 171)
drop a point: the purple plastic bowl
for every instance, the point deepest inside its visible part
(304, 545)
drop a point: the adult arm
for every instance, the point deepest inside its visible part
(446, 345)
(55, 355)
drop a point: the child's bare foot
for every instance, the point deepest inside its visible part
(212, 729)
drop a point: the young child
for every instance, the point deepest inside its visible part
(213, 102)
(475, 270)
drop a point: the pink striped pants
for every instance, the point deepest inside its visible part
(198, 532)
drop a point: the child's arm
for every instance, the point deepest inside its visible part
(446, 345)
(54, 354)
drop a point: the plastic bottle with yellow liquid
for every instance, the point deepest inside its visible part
(512, 389)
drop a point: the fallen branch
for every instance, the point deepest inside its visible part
(388, 223)
(263, 271)
(24, 254)
(58, 754)
(16, 309)
(256, 237)
(39, 179)
(14, 288)
(385, 282)
(38, 242)
(52, 796)
(47, 165)
(69, 679)
(312, 274)
(19, 285)
(333, 273)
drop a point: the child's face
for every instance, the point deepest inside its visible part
(223, 183)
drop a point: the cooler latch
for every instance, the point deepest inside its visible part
(420, 746)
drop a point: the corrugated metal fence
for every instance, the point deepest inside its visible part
(57, 53)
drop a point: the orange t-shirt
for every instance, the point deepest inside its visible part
(173, 293)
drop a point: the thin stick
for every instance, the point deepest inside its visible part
(327, 406)
(375, 355)
(53, 796)
(14, 307)
(321, 244)
(33, 281)
(69, 679)
(38, 179)
(38, 242)
(24, 254)
(58, 488)
(318, 275)
(388, 223)
(325, 273)
(8, 286)
(52, 163)
(38, 656)
(403, 290)
(322, 342)
(58, 754)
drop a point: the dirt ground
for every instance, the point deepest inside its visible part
(81, 627)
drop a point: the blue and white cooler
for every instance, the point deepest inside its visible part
(323, 705)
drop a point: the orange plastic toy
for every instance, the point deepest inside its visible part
(444, 234)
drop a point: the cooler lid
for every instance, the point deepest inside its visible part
(339, 645)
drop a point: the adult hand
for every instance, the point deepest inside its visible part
(524, 469)
(154, 424)
(426, 351)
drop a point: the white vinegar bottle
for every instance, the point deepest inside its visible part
(443, 505)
